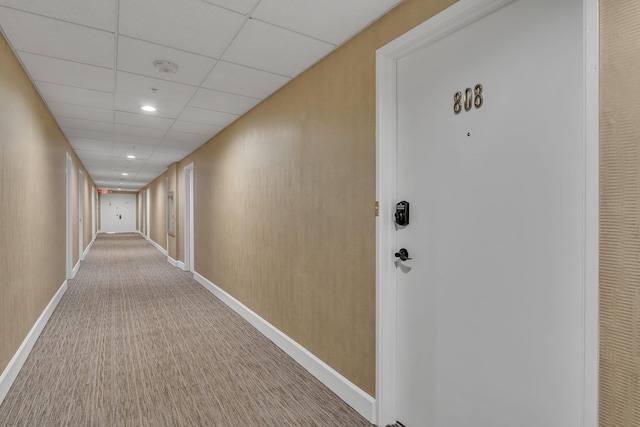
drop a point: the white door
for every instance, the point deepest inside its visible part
(490, 315)
(118, 213)
(189, 257)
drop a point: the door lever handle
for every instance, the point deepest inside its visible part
(403, 254)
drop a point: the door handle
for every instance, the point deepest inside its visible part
(403, 254)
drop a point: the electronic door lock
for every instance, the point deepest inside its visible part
(402, 213)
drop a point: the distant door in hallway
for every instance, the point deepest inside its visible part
(189, 257)
(118, 213)
(490, 288)
(81, 215)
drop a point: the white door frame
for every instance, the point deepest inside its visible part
(80, 215)
(148, 213)
(452, 19)
(188, 218)
(68, 221)
(93, 213)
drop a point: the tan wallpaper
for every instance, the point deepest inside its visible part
(620, 214)
(32, 205)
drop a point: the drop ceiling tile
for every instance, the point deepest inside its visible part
(143, 120)
(137, 139)
(127, 165)
(167, 157)
(141, 151)
(133, 91)
(59, 109)
(195, 128)
(139, 131)
(240, 6)
(73, 123)
(190, 25)
(245, 81)
(73, 95)
(208, 117)
(92, 13)
(334, 21)
(88, 134)
(222, 101)
(90, 157)
(274, 49)
(137, 56)
(53, 70)
(88, 144)
(51, 37)
(185, 140)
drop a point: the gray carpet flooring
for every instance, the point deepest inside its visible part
(137, 342)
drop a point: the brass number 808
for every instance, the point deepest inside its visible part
(472, 98)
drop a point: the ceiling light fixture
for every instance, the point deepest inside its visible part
(165, 67)
(119, 188)
(148, 108)
(130, 156)
(124, 174)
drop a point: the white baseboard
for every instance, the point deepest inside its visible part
(86, 251)
(75, 269)
(15, 364)
(175, 263)
(158, 247)
(345, 389)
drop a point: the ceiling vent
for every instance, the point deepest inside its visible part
(165, 67)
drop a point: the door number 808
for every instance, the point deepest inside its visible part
(472, 98)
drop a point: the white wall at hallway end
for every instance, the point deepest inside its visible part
(15, 364)
(355, 397)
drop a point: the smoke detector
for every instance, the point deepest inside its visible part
(165, 67)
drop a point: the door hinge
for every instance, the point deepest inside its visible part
(377, 208)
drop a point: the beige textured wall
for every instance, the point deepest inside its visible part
(284, 203)
(32, 205)
(620, 214)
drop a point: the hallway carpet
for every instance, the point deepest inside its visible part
(137, 342)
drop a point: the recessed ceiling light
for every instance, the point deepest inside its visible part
(119, 188)
(148, 108)
(131, 156)
(124, 174)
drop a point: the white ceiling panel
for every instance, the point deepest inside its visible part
(191, 25)
(73, 95)
(53, 70)
(182, 139)
(88, 134)
(143, 120)
(334, 21)
(245, 81)
(241, 6)
(137, 56)
(209, 117)
(141, 151)
(90, 156)
(91, 144)
(59, 109)
(92, 13)
(274, 49)
(71, 123)
(134, 140)
(58, 39)
(195, 128)
(169, 98)
(139, 131)
(222, 101)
